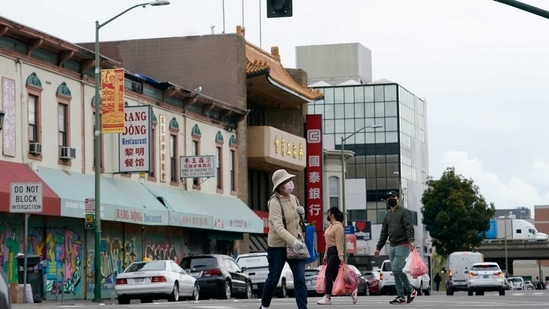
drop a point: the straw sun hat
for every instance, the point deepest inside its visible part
(280, 176)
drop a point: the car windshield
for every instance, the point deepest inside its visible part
(143, 266)
(486, 267)
(514, 280)
(253, 261)
(202, 262)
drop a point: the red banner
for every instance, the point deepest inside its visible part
(313, 176)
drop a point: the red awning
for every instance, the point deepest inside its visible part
(18, 172)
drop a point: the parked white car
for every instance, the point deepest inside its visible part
(516, 283)
(255, 265)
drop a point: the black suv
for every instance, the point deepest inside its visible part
(219, 276)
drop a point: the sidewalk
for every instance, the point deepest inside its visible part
(46, 304)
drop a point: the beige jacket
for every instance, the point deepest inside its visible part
(278, 235)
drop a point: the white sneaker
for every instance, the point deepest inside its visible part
(324, 301)
(354, 296)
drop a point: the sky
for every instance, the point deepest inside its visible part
(481, 65)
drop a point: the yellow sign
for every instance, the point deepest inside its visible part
(88, 221)
(112, 95)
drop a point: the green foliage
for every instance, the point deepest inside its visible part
(455, 213)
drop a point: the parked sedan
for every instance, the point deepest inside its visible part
(310, 280)
(158, 279)
(516, 283)
(373, 282)
(218, 275)
(4, 292)
(364, 285)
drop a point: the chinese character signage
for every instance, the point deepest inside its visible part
(112, 96)
(135, 140)
(197, 166)
(313, 176)
(8, 131)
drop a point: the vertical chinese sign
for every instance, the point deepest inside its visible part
(112, 95)
(135, 140)
(314, 176)
(8, 106)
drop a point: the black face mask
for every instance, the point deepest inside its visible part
(392, 202)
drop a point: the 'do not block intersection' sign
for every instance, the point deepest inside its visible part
(26, 197)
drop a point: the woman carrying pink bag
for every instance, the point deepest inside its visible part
(334, 236)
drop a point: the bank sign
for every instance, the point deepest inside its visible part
(26, 197)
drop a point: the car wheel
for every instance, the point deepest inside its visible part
(427, 292)
(502, 292)
(249, 292)
(226, 293)
(367, 290)
(196, 291)
(174, 296)
(123, 300)
(449, 292)
(283, 289)
(470, 292)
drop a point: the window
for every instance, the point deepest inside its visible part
(333, 183)
(62, 125)
(232, 169)
(173, 157)
(33, 118)
(219, 167)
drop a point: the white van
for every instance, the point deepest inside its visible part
(457, 269)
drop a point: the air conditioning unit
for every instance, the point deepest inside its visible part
(35, 148)
(67, 153)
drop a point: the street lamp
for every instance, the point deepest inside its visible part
(343, 208)
(505, 243)
(97, 144)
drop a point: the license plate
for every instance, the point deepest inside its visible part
(255, 286)
(139, 280)
(195, 274)
(484, 276)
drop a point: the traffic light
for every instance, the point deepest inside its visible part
(279, 8)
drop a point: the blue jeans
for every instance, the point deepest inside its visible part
(398, 255)
(276, 258)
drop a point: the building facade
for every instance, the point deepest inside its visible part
(48, 140)
(383, 130)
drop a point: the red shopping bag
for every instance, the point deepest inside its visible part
(417, 267)
(341, 285)
(320, 280)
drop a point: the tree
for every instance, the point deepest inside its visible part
(455, 213)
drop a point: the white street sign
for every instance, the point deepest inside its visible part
(26, 197)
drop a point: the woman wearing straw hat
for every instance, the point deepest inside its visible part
(281, 234)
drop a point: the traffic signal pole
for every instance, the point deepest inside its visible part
(526, 7)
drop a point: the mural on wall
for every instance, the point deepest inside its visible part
(68, 270)
(59, 251)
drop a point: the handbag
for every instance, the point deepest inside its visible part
(291, 252)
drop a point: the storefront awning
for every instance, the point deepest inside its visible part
(229, 213)
(11, 172)
(184, 209)
(121, 200)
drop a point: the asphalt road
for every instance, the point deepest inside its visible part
(512, 299)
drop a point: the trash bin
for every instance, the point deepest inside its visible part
(34, 276)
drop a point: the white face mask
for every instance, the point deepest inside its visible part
(289, 187)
